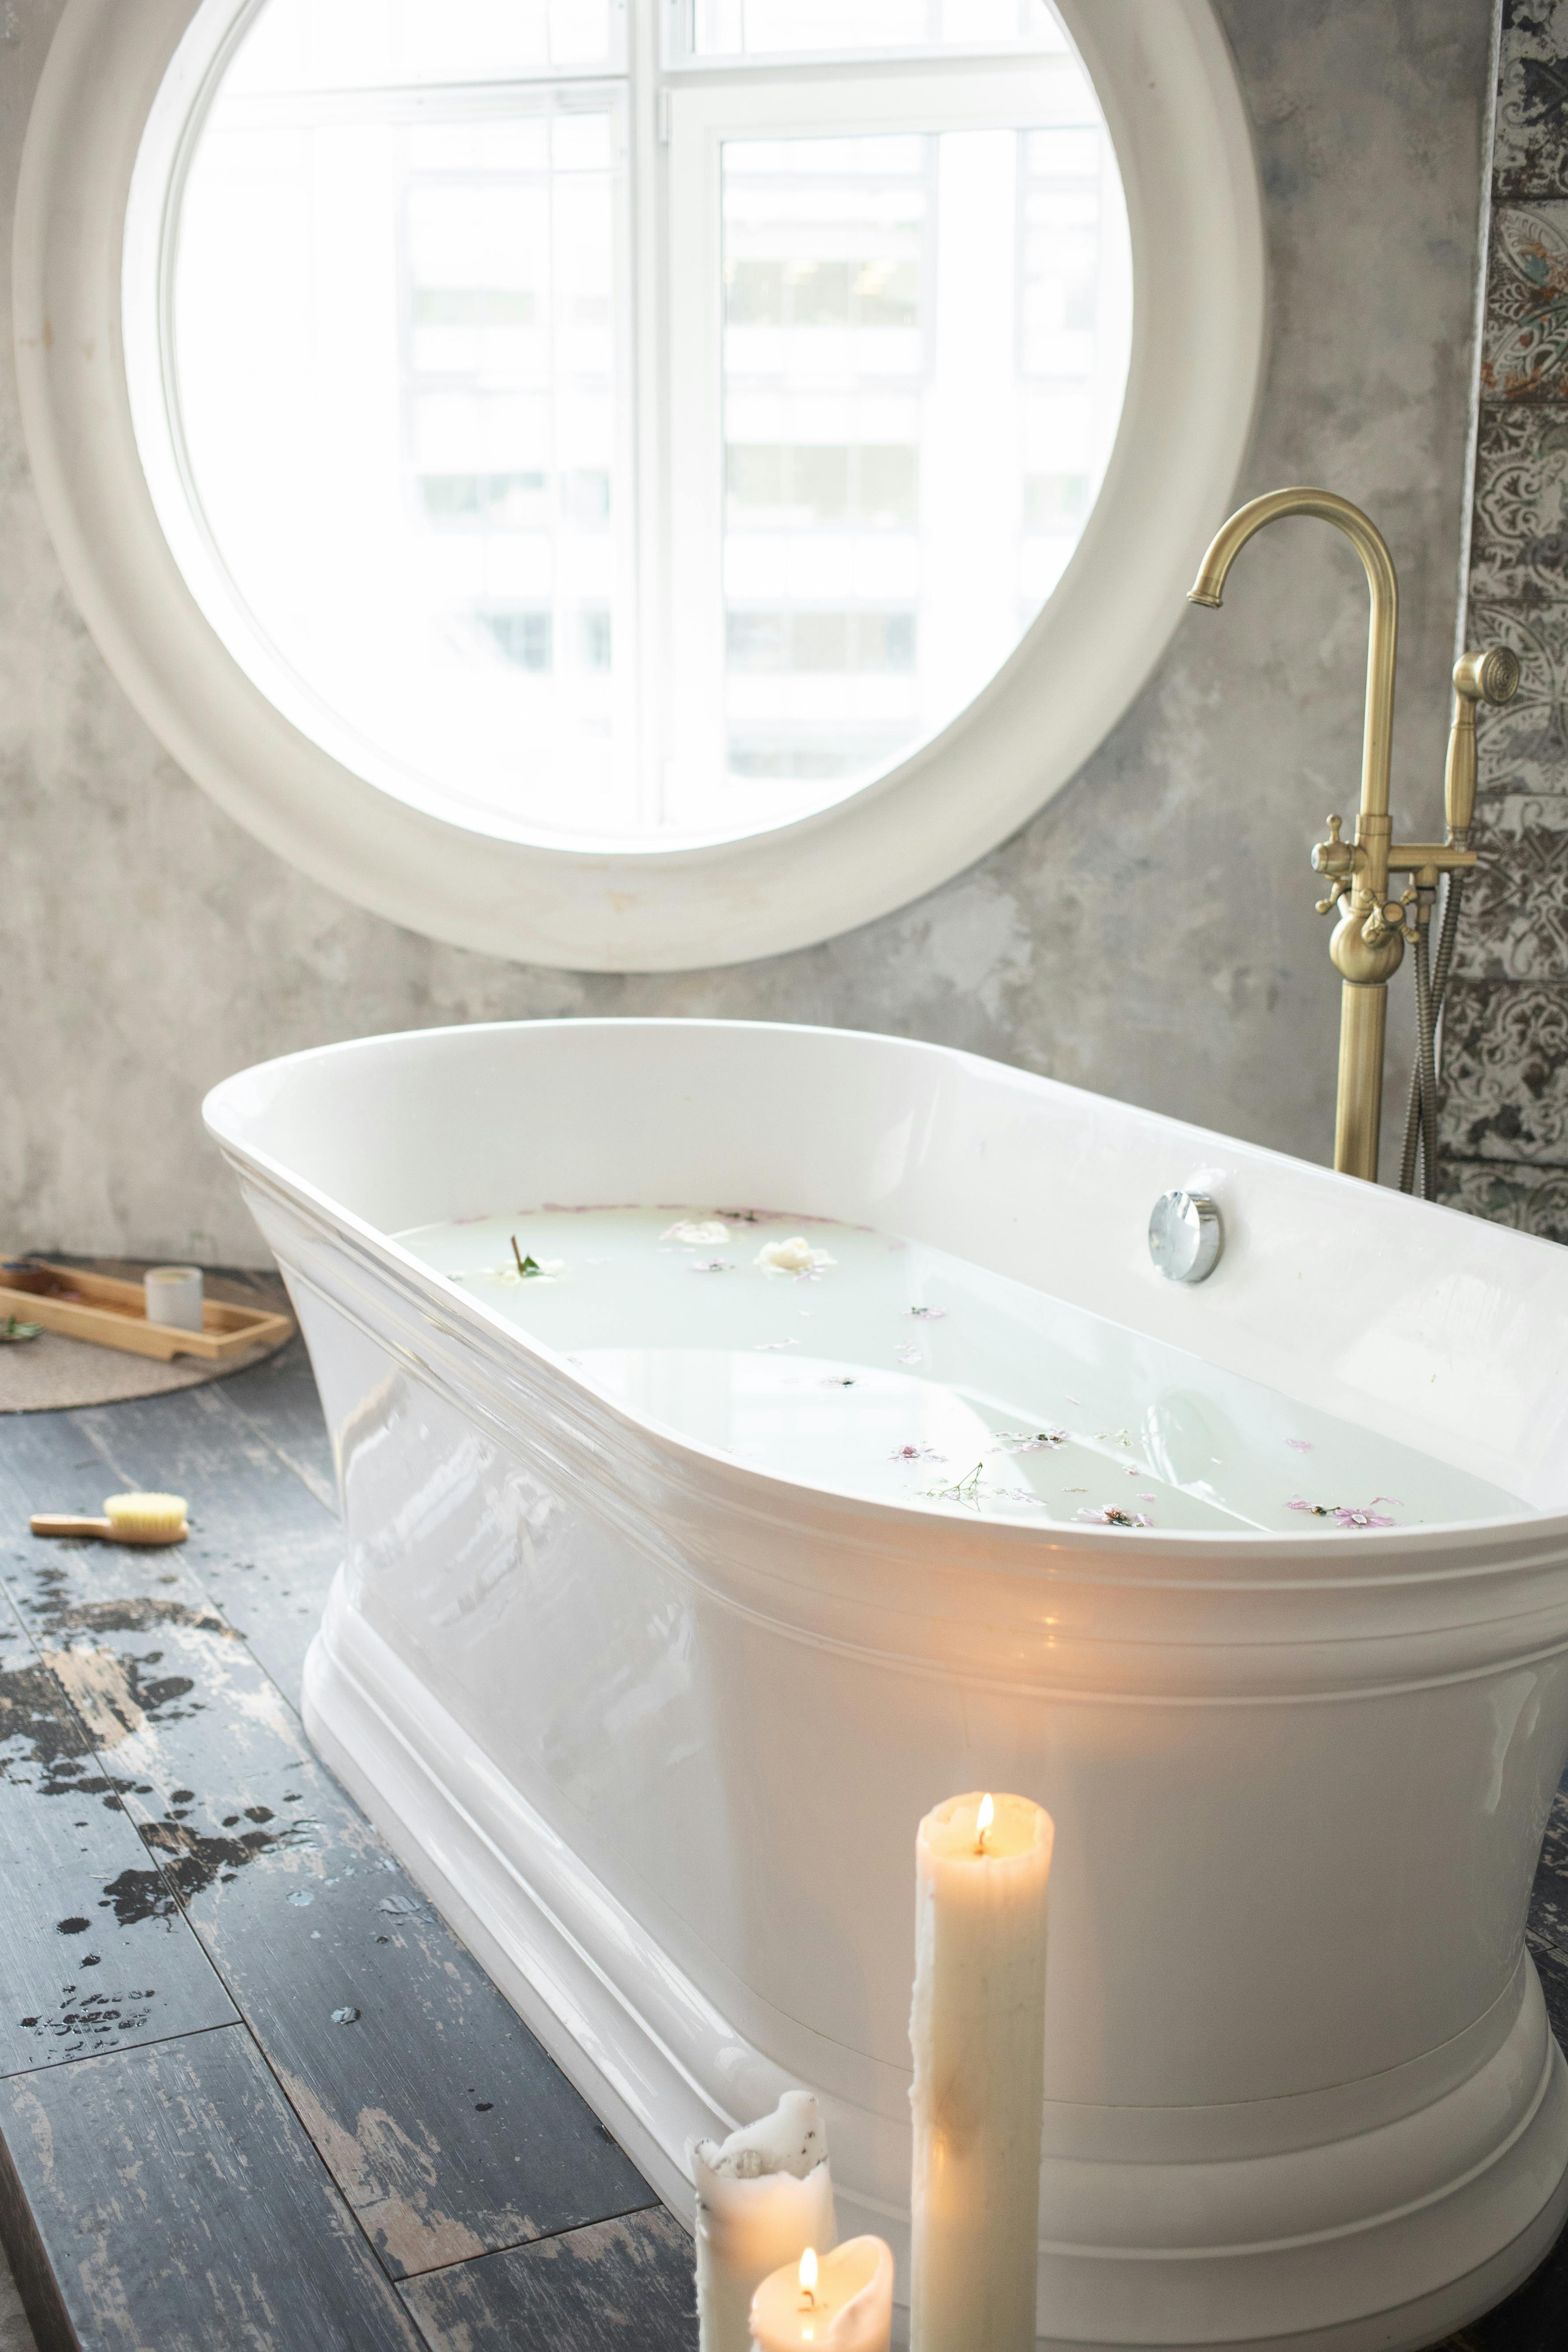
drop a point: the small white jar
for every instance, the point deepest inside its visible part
(174, 1295)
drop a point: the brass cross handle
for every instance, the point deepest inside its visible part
(1338, 860)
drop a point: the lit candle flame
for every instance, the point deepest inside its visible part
(983, 1821)
(808, 2277)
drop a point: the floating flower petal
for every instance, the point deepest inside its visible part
(792, 1256)
(1346, 1514)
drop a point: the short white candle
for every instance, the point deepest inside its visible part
(977, 2027)
(843, 2301)
(763, 2196)
(173, 1297)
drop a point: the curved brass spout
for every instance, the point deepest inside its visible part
(1369, 940)
(1377, 742)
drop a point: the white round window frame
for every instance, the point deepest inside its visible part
(1163, 75)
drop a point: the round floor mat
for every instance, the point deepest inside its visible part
(51, 1373)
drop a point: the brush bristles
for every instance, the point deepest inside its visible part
(146, 1519)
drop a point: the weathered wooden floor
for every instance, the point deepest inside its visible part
(252, 2090)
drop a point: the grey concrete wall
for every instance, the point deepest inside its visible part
(1150, 934)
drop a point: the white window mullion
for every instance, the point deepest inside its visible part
(636, 652)
(695, 491)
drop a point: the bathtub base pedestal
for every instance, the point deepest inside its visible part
(1377, 2239)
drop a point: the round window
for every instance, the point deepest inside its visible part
(642, 477)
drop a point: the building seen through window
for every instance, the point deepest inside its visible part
(626, 442)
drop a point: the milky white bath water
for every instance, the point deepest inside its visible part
(857, 1361)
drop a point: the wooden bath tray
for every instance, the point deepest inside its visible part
(113, 1314)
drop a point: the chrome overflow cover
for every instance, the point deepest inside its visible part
(1185, 1236)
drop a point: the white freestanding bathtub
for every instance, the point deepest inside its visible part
(656, 1727)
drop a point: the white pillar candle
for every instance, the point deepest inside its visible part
(983, 1868)
(842, 2301)
(763, 2196)
(173, 1296)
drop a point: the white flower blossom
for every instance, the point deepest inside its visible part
(793, 1257)
(700, 1233)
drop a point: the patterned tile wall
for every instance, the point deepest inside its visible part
(1505, 1049)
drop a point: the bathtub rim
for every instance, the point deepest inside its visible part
(843, 1582)
(1361, 1548)
(1116, 1549)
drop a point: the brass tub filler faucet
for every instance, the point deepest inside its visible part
(1374, 928)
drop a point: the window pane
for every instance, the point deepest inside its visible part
(922, 377)
(316, 45)
(829, 28)
(396, 348)
(405, 381)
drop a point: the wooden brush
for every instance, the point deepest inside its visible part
(127, 1519)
